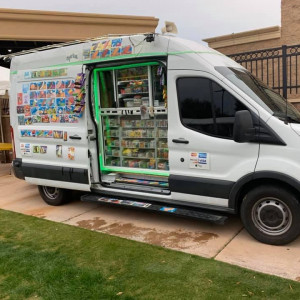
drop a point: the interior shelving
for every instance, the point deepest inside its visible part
(134, 140)
(142, 146)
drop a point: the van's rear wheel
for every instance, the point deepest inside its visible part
(52, 195)
(271, 215)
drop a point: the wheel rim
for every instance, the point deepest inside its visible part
(272, 216)
(50, 192)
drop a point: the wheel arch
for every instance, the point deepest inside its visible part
(246, 183)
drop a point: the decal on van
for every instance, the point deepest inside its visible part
(43, 149)
(60, 101)
(59, 151)
(71, 153)
(25, 149)
(46, 73)
(168, 209)
(199, 160)
(106, 49)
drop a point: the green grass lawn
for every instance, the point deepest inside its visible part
(40, 259)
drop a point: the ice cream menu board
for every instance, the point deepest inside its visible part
(51, 101)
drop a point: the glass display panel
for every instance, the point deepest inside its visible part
(107, 93)
(133, 87)
(134, 134)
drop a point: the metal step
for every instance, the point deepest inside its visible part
(138, 188)
(175, 210)
(144, 182)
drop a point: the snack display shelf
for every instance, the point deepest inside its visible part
(120, 82)
(158, 110)
(133, 93)
(127, 137)
(140, 127)
(150, 151)
(139, 147)
(137, 157)
(111, 136)
(130, 78)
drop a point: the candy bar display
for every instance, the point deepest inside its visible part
(134, 143)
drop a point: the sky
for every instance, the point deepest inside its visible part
(195, 19)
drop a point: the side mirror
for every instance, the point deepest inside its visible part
(243, 129)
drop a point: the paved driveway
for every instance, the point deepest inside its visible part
(229, 243)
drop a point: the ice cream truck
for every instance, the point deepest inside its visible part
(156, 122)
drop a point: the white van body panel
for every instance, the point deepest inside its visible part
(203, 200)
(281, 159)
(228, 160)
(50, 158)
(58, 184)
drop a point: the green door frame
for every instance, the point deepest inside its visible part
(97, 72)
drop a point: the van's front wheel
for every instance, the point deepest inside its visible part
(52, 195)
(271, 215)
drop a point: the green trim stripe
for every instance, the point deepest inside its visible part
(126, 66)
(83, 62)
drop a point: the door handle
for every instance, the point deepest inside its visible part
(75, 137)
(180, 141)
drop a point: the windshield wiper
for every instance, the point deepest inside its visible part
(292, 120)
(285, 118)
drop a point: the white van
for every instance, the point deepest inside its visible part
(161, 123)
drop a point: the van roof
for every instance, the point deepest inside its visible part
(106, 48)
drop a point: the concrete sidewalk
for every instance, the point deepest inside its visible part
(229, 243)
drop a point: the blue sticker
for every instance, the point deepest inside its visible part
(27, 75)
(168, 209)
(33, 110)
(202, 155)
(25, 88)
(116, 43)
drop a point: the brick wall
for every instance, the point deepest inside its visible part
(290, 22)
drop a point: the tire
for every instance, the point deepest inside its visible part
(271, 215)
(53, 196)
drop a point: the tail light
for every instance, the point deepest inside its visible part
(13, 141)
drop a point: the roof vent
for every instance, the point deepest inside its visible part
(170, 27)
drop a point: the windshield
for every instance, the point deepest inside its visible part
(260, 93)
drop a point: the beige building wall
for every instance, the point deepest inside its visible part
(265, 38)
(34, 25)
(49, 26)
(246, 41)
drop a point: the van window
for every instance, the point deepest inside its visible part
(273, 102)
(195, 104)
(207, 107)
